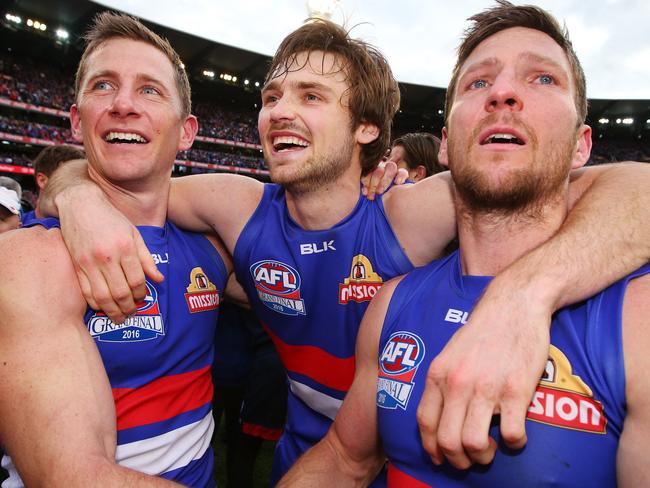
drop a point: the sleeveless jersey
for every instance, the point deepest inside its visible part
(310, 290)
(158, 362)
(574, 420)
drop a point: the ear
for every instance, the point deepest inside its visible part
(420, 173)
(41, 180)
(442, 152)
(75, 123)
(583, 147)
(189, 129)
(366, 133)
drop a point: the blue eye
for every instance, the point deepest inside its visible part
(102, 85)
(150, 90)
(312, 98)
(478, 84)
(546, 79)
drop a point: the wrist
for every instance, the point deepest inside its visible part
(67, 199)
(540, 291)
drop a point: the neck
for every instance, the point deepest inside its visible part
(490, 241)
(143, 202)
(323, 207)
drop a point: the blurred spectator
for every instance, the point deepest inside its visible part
(47, 161)
(10, 193)
(417, 153)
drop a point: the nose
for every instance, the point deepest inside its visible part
(124, 103)
(504, 95)
(283, 109)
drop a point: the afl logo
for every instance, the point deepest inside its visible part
(149, 301)
(275, 277)
(402, 353)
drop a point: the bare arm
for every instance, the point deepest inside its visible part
(350, 455)
(632, 458)
(57, 410)
(220, 203)
(109, 255)
(423, 217)
(604, 237)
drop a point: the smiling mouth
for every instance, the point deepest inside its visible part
(502, 138)
(124, 138)
(288, 143)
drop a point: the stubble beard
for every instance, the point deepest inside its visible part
(523, 190)
(317, 171)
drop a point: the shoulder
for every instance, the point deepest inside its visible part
(373, 320)
(636, 337)
(423, 217)
(37, 274)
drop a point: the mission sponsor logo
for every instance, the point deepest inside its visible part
(398, 364)
(564, 400)
(362, 284)
(201, 294)
(146, 324)
(278, 286)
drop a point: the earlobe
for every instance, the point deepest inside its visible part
(75, 123)
(583, 147)
(366, 133)
(189, 129)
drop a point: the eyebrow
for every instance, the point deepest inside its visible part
(526, 56)
(301, 85)
(142, 77)
(485, 63)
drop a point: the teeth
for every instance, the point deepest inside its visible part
(289, 140)
(125, 136)
(498, 137)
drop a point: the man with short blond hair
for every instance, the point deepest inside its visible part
(84, 400)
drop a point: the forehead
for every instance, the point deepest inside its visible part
(315, 66)
(128, 57)
(518, 44)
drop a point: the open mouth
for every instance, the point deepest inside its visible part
(288, 143)
(124, 138)
(502, 138)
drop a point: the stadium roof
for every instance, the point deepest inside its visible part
(199, 54)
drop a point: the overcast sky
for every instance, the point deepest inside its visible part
(419, 38)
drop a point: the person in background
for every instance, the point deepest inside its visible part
(47, 161)
(10, 194)
(417, 153)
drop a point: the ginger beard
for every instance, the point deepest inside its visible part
(493, 184)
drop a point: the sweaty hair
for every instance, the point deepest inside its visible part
(51, 157)
(109, 25)
(373, 92)
(420, 148)
(505, 15)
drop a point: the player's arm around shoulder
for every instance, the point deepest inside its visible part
(632, 460)
(422, 216)
(351, 455)
(234, 292)
(219, 202)
(56, 406)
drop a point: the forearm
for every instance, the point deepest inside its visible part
(605, 236)
(62, 185)
(97, 472)
(324, 465)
